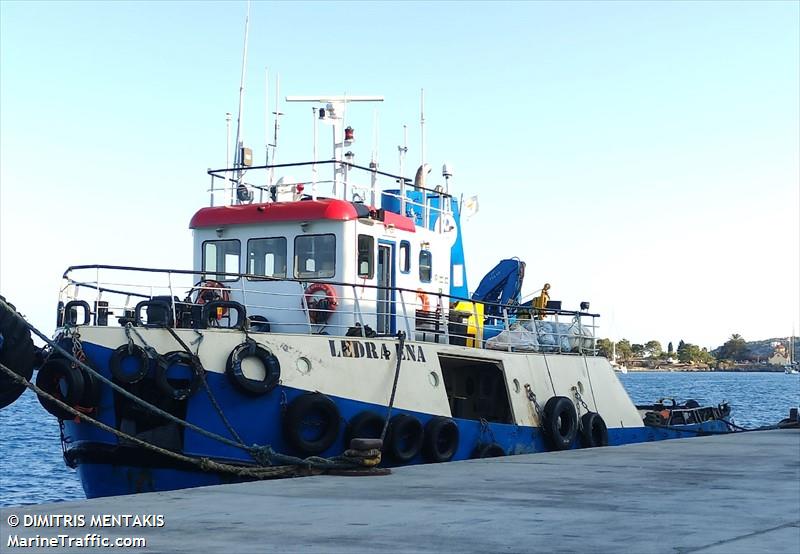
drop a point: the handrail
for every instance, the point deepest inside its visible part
(216, 172)
(453, 299)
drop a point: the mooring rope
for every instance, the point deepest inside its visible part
(205, 464)
(401, 341)
(263, 454)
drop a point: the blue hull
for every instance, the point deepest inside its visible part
(258, 421)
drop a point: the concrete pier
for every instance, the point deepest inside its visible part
(723, 494)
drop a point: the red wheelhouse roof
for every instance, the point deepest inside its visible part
(305, 210)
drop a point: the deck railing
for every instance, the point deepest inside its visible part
(106, 292)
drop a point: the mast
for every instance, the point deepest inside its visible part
(239, 131)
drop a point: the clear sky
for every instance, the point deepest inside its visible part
(639, 155)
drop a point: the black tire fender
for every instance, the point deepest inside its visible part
(129, 351)
(167, 361)
(65, 382)
(489, 450)
(272, 368)
(560, 422)
(365, 425)
(594, 432)
(441, 439)
(309, 410)
(404, 438)
(17, 352)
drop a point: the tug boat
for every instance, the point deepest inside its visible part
(326, 311)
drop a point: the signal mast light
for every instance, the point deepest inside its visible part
(349, 134)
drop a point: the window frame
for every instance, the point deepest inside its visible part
(216, 275)
(295, 260)
(423, 252)
(405, 257)
(285, 256)
(370, 259)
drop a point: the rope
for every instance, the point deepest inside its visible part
(401, 341)
(263, 454)
(204, 382)
(203, 463)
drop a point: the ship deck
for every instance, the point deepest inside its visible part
(719, 494)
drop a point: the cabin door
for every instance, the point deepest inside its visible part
(386, 310)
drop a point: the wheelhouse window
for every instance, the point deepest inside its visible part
(314, 256)
(425, 266)
(221, 256)
(267, 257)
(405, 256)
(366, 256)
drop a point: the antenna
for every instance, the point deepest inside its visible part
(401, 150)
(239, 130)
(334, 114)
(277, 113)
(266, 130)
(422, 124)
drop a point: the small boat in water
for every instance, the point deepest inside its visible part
(328, 324)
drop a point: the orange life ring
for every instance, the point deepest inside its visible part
(320, 308)
(209, 290)
(426, 302)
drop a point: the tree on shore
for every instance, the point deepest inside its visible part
(670, 350)
(734, 349)
(605, 348)
(693, 354)
(653, 348)
(624, 351)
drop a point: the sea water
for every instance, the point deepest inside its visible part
(32, 469)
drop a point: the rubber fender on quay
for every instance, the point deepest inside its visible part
(560, 422)
(17, 352)
(59, 378)
(404, 438)
(441, 439)
(163, 380)
(313, 412)
(235, 373)
(594, 432)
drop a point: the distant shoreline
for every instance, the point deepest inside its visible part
(691, 369)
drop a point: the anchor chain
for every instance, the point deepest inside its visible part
(580, 402)
(532, 398)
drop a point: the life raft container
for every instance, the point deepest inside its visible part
(560, 422)
(320, 308)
